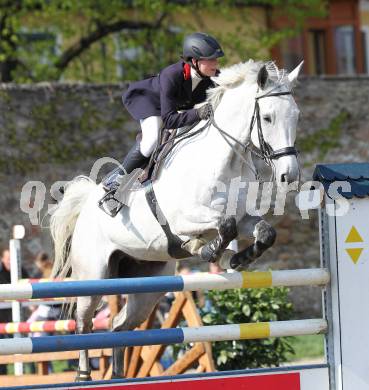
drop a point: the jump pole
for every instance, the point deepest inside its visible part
(249, 331)
(49, 326)
(201, 281)
(344, 251)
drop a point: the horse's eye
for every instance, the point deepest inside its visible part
(267, 118)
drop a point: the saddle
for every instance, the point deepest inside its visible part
(168, 139)
(165, 144)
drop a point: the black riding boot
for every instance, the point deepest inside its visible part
(134, 159)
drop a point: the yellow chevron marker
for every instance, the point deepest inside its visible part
(354, 236)
(354, 253)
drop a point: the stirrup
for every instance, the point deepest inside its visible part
(109, 204)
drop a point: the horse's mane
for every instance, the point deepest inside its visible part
(247, 72)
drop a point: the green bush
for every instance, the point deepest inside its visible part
(244, 306)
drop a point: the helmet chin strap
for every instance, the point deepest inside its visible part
(196, 67)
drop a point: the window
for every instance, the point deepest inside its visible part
(140, 54)
(345, 49)
(125, 57)
(292, 53)
(46, 44)
(365, 45)
(37, 52)
(316, 52)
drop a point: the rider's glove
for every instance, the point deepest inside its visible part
(205, 111)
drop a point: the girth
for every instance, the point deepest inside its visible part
(175, 249)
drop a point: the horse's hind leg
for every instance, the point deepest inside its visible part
(89, 262)
(85, 311)
(138, 307)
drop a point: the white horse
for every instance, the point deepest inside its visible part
(253, 107)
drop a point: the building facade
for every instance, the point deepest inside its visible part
(337, 44)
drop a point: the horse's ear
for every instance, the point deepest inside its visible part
(292, 77)
(262, 77)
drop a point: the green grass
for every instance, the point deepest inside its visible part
(307, 347)
(62, 365)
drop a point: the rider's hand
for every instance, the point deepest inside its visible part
(205, 111)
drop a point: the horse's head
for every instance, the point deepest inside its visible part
(257, 109)
(274, 122)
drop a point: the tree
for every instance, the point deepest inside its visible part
(248, 306)
(74, 39)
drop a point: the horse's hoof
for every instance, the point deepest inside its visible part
(265, 235)
(115, 376)
(228, 230)
(242, 260)
(83, 379)
(210, 251)
(83, 376)
(236, 265)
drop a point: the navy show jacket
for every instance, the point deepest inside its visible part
(164, 94)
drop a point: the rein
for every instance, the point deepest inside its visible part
(265, 151)
(185, 134)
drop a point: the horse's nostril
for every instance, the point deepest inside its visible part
(283, 178)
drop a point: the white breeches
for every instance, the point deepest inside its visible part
(150, 133)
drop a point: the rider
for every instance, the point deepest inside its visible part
(155, 102)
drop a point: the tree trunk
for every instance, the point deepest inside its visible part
(6, 69)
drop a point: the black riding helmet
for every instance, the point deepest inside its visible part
(201, 46)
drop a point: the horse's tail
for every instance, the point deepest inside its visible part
(63, 222)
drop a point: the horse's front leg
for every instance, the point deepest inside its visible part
(213, 249)
(264, 237)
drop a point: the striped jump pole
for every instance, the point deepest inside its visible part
(198, 281)
(41, 300)
(49, 326)
(43, 280)
(162, 336)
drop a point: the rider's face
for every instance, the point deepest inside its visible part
(208, 67)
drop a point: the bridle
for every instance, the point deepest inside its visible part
(265, 151)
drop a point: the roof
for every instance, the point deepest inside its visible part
(356, 174)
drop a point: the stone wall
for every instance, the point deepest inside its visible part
(52, 132)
